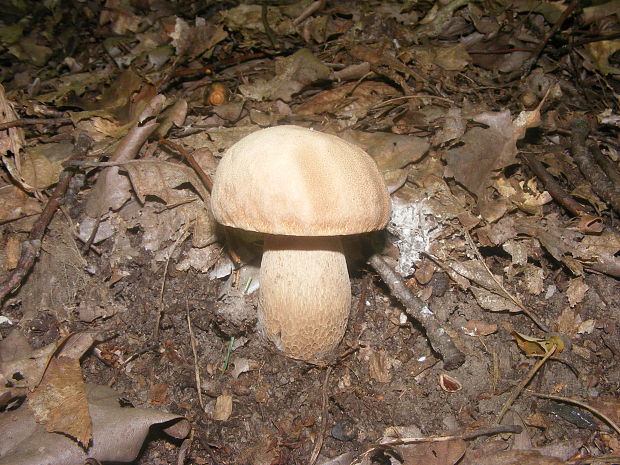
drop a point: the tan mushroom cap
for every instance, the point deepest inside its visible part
(290, 180)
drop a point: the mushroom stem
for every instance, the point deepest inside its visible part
(305, 294)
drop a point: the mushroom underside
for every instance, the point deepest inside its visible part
(305, 295)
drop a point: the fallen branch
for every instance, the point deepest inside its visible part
(439, 339)
(601, 185)
(32, 246)
(553, 187)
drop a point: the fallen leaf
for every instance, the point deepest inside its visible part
(576, 291)
(348, 101)
(118, 433)
(15, 204)
(539, 346)
(59, 402)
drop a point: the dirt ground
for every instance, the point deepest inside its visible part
(453, 119)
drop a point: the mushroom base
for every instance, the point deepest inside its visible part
(305, 295)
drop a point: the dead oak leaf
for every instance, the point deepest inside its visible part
(485, 151)
(59, 402)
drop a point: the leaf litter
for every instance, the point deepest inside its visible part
(436, 94)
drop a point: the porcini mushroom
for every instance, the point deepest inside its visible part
(303, 189)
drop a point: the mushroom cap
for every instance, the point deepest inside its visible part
(290, 180)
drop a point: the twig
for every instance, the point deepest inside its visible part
(489, 431)
(590, 170)
(387, 446)
(204, 177)
(270, 34)
(521, 386)
(552, 186)
(324, 404)
(439, 339)
(580, 404)
(507, 294)
(313, 8)
(32, 246)
(610, 168)
(531, 61)
(192, 340)
(160, 309)
(30, 121)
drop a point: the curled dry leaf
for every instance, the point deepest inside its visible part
(118, 433)
(350, 100)
(15, 204)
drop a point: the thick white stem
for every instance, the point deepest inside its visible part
(305, 294)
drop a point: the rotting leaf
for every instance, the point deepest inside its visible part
(533, 346)
(347, 101)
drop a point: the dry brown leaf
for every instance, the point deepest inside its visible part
(486, 151)
(479, 328)
(118, 433)
(433, 453)
(21, 368)
(568, 322)
(390, 151)
(160, 178)
(453, 127)
(350, 100)
(42, 164)
(112, 189)
(576, 291)
(15, 204)
(59, 402)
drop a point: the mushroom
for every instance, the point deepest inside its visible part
(303, 189)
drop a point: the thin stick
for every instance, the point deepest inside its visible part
(204, 177)
(507, 294)
(29, 121)
(437, 336)
(313, 8)
(521, 386)
(32, 246)
(570, 400)
(489, 431)
(160, 310)
(324, 403)
(553, 187)
(530, 62)
(192, 339)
